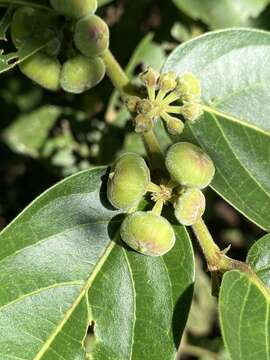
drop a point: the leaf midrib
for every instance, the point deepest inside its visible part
(74, 305)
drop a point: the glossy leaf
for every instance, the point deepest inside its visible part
(235, 128)
(63, 268)
(222, 13)
(259, 259)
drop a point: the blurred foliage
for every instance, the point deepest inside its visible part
(46, 136)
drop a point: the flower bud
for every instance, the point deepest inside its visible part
(128, 181)
(42, 69)
(190, 206)
(149, 77)
(175, 126)
(131, 103)
(189, 87)
(143, 123)
(74, 9)
(148, 233)
(91, 36)
(189, 165)
(167, 82)
(81, 73)
(144, 106)
(191, 111)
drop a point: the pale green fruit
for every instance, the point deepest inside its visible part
(148, 233)
(81, 73)
(74, 9)
(91, 36)
(189, 165)
(128, 181)
(42, 69)
(190, 206)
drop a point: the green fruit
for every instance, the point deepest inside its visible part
(190, 206)
(91, 36)
(42, 69)
(81, 73)
(128, 181)
(74, 9)
(33, 25)
(189, 165)
(148, 233)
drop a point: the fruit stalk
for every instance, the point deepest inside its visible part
(115, 72)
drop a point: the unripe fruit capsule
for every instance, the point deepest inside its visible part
(128, 181)
(91, 36)
(81, 73)
(190, 206)
(148, 233)
(74, 9)
(189, 165)
(42, 69)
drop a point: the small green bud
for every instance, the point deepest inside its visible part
(148, 233)
(131, 103)
(144, 106)
(74, 9)
(175, 126)
(42, 69)
(91, 36)
(192, 111)
(190, 206)
(128, 181)
(189, 165)
(189, 87)
(81, 73)
(167, 82)
(149, 77)
(143, 123)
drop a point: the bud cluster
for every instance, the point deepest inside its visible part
(169, 97)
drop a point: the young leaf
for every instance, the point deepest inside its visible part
(222, 13)
(235, 128)
(63, 268)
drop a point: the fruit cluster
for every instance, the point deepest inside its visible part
(72, 58)
(149, 233)
(163, 94)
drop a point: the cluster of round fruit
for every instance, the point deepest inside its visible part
(163, 93)
(149, 233)
(60, 64)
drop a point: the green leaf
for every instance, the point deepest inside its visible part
(222, 13)
(28, 132)
(259, 259)
(63, 268)
(245, 306)
(235, 128)
(5, 23)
